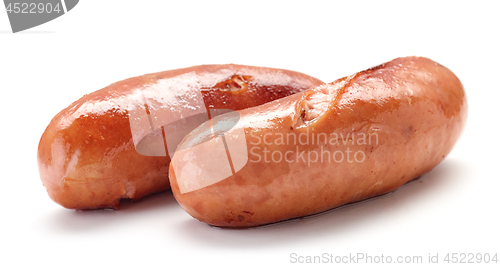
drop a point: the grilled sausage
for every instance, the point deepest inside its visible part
(116, 142)
(358, 137)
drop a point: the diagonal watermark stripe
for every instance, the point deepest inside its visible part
(26, 14)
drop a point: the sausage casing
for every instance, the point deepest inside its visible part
(91, 154)
(356, 138)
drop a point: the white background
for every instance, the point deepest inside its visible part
(454, 208)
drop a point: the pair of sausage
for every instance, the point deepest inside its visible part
(276, 144)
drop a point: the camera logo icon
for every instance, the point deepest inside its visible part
(172, 111)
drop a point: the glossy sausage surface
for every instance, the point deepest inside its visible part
(356, 138)
(114, 143)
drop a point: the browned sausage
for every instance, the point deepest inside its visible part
(356, 138)
(113, 143)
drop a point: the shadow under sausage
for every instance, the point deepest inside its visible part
(344, 220)
(89, 220)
